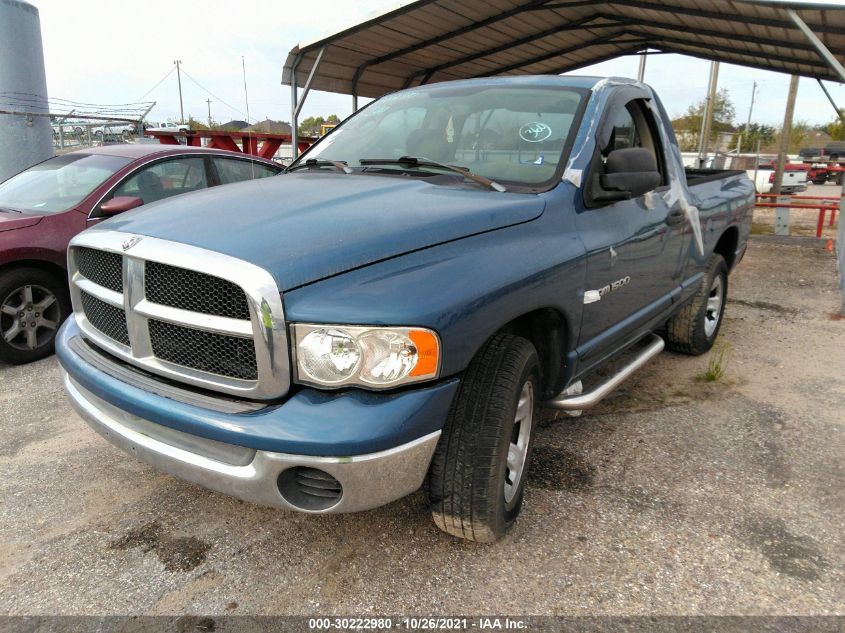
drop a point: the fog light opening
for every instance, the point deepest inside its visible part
(309, 489)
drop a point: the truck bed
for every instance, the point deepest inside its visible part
(699, 176)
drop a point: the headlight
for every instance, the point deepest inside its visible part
(374, 357)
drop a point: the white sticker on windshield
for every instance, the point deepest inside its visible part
(535, 132)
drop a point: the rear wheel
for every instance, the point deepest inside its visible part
(477, 478)
(694, 329)
(33, 303)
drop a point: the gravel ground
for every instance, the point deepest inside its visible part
(676, 496)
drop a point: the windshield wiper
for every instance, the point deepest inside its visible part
(413, 161)
(10, 209)
(318, 162)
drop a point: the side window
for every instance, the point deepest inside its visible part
(625, 133)
(232, 170)
(162, 180)
(634, 126)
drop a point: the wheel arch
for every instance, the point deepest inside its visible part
(47, 266)
(727, 245)
(548, 331)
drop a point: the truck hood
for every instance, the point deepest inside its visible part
(303, 227)
(11, 220)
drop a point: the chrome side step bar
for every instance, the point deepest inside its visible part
(592, 398)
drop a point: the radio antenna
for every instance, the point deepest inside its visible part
(246, 94)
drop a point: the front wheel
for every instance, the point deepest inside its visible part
(477, 477)
(33, 303)
(694, 328)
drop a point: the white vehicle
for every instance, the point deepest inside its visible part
(114, 131)
(167, 127)
(794, 178)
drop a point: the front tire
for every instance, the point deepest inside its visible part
(478, 473)
(33, 303)
(694, 329)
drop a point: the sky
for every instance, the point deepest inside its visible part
(105, 52)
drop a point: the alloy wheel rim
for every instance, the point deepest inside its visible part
(713, 311)
(518, 447)
(29, 317)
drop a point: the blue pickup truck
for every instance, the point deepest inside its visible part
(390, 312)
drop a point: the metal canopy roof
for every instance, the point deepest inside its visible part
(440, 40)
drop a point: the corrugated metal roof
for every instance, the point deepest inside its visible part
(440, 40)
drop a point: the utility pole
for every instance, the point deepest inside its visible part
(783, 146)
(209, 111)
(178, 63)
(709, 108)
(747, 123)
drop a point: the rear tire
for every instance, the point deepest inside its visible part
(694, 328)
(478, 473)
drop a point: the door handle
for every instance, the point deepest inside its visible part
(675, 217)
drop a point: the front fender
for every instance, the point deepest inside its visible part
(465, 290)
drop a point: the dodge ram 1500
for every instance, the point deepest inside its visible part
(390, 313)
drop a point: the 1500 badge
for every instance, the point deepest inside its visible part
(591, 296)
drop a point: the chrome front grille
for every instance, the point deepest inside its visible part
(110, 320)
(101, 267)
(191, 290)
(232, 356)
(174, 314)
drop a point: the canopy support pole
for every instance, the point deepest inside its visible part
(709, 109)
(839, 113)
(785, 131)
(296, 104)
(820, 47)
(294, 134)
(641, 71)
(307, 88)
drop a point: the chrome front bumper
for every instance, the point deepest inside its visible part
(368, 481)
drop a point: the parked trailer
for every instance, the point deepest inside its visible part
(254, 143)
(821, 171)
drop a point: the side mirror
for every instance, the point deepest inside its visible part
(119, 204)
(629, 173)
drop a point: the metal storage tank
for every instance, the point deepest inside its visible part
(24, 140)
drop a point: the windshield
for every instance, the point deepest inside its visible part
(513, 134)
(58, 184)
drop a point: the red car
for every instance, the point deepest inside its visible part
(46, 205)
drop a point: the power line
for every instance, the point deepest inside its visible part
(201, 87)
(157, 83)
(40, 97)
(31, 100)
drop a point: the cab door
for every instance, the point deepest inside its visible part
(634, 247)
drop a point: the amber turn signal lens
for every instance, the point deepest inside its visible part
(428, 351)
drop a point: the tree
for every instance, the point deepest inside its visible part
(311, 126)
(798, 134)
(688, 126)
(836, 128)
(194, 124)
(765, 134)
